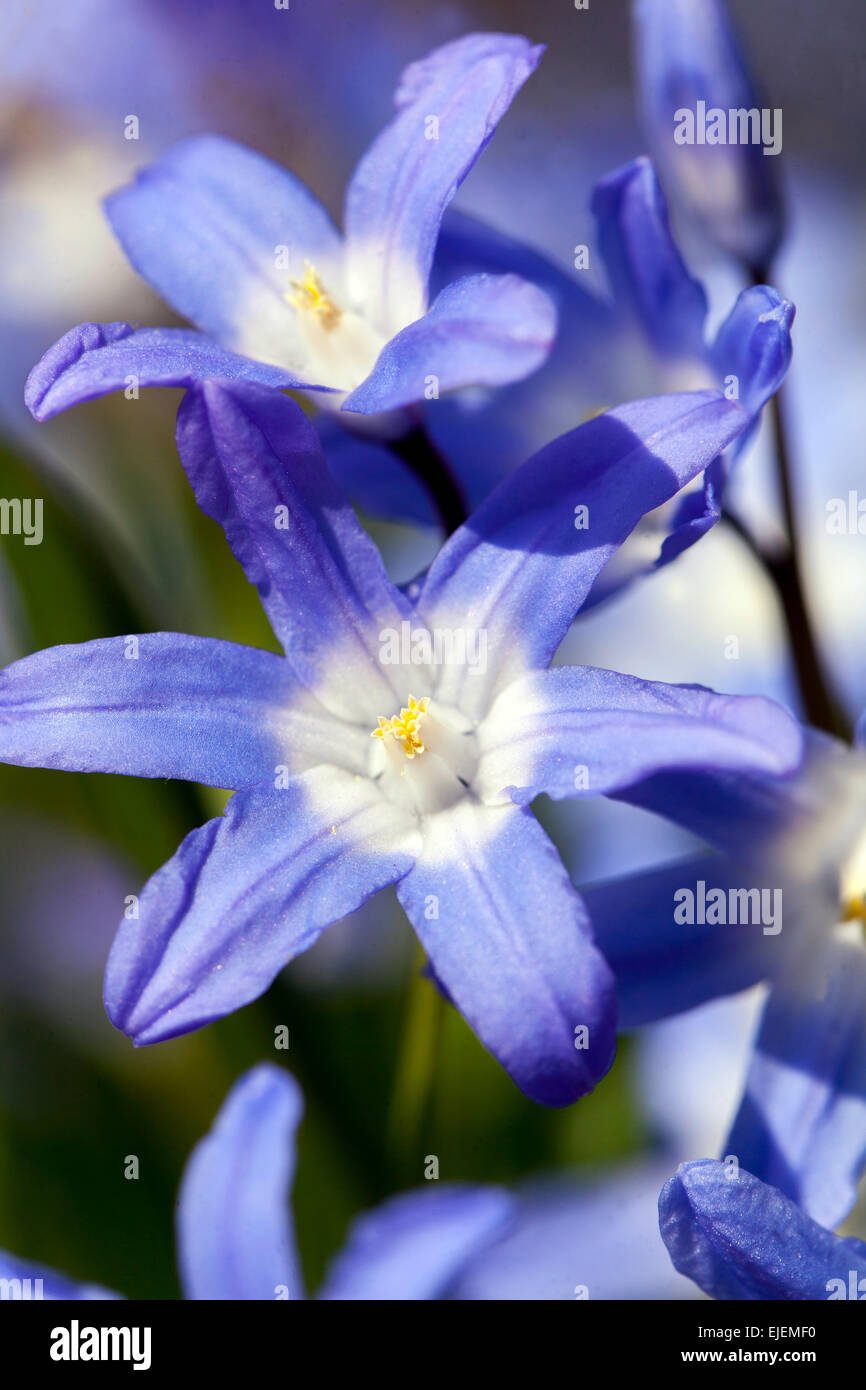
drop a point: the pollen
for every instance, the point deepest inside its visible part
(854, 910)
(404, 726)
(311, 296)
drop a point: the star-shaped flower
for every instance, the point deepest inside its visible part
(325, 813)
(786, 904)
(241, 248)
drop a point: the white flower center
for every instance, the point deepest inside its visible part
(852, 884)
(340, 345)
(425, 757)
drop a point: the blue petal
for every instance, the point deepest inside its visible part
(521, 567)
(586, 369)
(204, 224)
(802, 1122)
(508, 937)
(256, 466)
(234, 1232)
(169, 706)
(468, 246)
(486, 435)
(676, 527)
(648, 276)
(696, 513)
(686, 52)
(754, 345)
(807, 820)
(244, 894)
(484, 330)
(95, 359)
(601, 1236)
(619, 730)
(373, 475)
(416, 1245)
(662, 966)
(738, 1238)
(36, 1282)
(407, 178)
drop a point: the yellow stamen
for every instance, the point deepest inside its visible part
(854, 910)
(404, 726)
(312, 296)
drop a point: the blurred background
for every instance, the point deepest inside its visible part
(125, 550)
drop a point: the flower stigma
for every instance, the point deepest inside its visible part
(404, 726)
(312, 297)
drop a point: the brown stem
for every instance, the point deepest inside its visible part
(419, 453)
(822, 708)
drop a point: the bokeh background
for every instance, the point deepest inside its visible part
(125, 550)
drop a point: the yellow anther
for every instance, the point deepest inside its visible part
(311, 295)
(404, 726)
(854, 910)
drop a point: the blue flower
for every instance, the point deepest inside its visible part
(649, 336)
(552, 1240)
(235, 1238)
(739, 1238)
(654, 292)
(242, 249)
(801, 1125)
(689, 61)
(469, 725)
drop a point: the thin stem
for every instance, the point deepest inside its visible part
(821, 708)
(820, 704)
(419, 453)
(412, 1099)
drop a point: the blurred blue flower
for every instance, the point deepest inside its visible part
(555, 1240)
(739, 1238)
(253, 63)
(801, 1124)
(648, 337)
(654, 294)
(687, 53)
(235, 1239)
(438, 802)
(594, 1237)
(240, 247)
